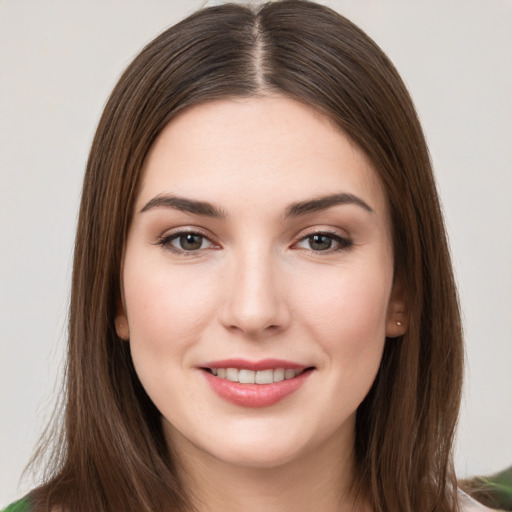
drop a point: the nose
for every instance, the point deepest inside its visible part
(255, 302)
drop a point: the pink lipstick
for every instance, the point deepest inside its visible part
(255, 383)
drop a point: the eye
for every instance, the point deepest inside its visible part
(188, 242)
(324, 242)
(185, 241)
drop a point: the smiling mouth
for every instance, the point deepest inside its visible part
(244, 376)
(255, 383)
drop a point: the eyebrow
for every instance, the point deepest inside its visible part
(323, 203)
(186, 205)
(297, 209)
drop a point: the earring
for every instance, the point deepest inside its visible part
(399, 323)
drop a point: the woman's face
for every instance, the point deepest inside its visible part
(258, 281)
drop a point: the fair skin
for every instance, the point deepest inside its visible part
(260, 279)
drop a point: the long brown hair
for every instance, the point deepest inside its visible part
(111, 454)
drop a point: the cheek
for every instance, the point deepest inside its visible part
(346, 313)
(168, 311)
(167, 308)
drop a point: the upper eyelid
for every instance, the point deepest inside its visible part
(334, 232)
(335, 236)
(169, 233)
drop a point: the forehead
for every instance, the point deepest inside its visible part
(266, 150)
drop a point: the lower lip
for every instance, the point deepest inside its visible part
(255, 395)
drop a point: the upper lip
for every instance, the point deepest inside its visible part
(263, 364)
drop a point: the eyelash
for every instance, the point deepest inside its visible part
(165, 241)
(343, 243)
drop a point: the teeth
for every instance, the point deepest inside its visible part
(289, 374)
(265, 377)
(251, 377)
(232, 374)
(246, 377)
(278, 374)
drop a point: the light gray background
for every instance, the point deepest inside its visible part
(59, 60)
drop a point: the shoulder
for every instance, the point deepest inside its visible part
(468, 504)
(22, 505)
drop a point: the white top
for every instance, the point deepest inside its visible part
(468, 504)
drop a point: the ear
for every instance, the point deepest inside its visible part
(397, 318)
(121, 321)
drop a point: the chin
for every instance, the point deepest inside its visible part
(261, 443)
(258, 456)
(255, 443)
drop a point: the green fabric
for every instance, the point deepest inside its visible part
(22, 505)
(495, 491)
(499, 486)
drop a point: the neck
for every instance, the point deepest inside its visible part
(314, 481)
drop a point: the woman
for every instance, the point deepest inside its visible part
(263, 311)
